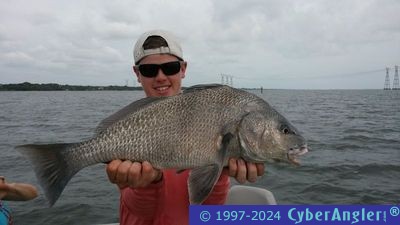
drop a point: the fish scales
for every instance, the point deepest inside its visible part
(191, 131)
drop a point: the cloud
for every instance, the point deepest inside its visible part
(275, 43)
(16, 59)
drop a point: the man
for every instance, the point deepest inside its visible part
(148, 195)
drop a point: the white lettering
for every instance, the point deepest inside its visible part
(336, 215)
(356, 214)
(290, 215)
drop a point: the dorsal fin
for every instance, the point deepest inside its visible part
(127, 110)
(202, 87)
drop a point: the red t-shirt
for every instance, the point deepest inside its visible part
(166, 202)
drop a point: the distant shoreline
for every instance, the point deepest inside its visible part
(26, 86)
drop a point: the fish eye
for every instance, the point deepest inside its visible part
(287, 130)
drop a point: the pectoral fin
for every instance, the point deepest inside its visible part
(202, 179)
(201, 182)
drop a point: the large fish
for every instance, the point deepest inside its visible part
(199, 129)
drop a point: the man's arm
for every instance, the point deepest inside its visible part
(140, 185)
(17, 191)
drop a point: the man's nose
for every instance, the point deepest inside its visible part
(160, 74)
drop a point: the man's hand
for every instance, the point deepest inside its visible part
(132, 174)
(136, 175)
(244, 171)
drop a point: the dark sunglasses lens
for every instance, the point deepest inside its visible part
(149, 70)
(171, 68)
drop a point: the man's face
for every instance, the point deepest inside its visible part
(161, 85)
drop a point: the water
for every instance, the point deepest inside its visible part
(354, 136)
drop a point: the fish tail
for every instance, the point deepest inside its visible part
(52, 165)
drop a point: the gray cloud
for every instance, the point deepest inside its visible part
(277, 44)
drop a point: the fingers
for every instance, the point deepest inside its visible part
(117, 171)
(232, 167)
(241, 174)
(244, 171)
(132, 174)
(252, 172)
(260, 169)
(112, 169)
(123, 169)
(149, 175)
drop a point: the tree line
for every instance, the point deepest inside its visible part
(26, 86)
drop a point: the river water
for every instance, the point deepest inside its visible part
(354, 136)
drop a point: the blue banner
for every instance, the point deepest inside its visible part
(294, 214)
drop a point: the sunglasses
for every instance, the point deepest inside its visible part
(151, 70)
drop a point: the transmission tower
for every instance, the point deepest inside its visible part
(387, 81)
(227, 79)
(396, 79)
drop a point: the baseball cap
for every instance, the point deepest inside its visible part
(173, 47)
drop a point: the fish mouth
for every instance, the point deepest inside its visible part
(293, 153)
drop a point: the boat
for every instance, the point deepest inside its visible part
(249, 195)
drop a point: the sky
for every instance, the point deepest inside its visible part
(277, 44)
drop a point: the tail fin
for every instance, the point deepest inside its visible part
(52, 167)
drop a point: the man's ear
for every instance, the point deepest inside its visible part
(136, 71)
(183, 69)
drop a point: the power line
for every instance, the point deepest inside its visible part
(283, 76)
(396, 79)
(227, 79)
(387, 80)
